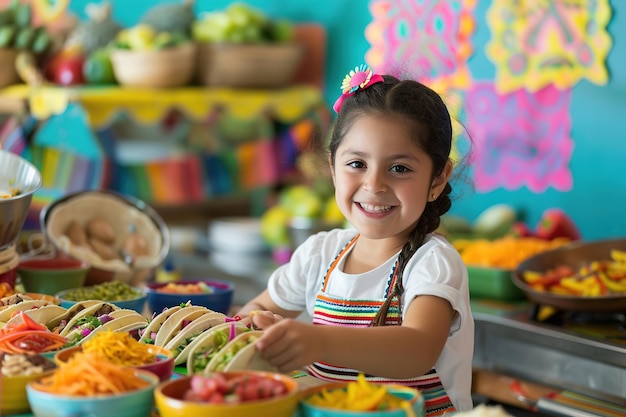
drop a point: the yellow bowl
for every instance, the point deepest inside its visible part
(170, 403)
(13, 393)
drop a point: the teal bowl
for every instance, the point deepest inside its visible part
(138, 403)
(136, 303)
(413, 397)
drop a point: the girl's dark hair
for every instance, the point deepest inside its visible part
(425, 114)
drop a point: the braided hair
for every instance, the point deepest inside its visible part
(428, 119)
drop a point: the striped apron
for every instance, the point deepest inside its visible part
(334, 311)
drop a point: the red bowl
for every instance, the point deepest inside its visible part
(52, 275)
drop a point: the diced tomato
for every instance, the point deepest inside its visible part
(216, 389)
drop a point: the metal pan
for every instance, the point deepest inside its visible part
(575, 255)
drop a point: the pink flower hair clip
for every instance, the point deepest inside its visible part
(357, 79)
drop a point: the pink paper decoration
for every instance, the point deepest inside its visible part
(429, 39)
(520, 139)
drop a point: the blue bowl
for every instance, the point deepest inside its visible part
(138, 403)
(413, 398)
(219, 300)
(138, 303)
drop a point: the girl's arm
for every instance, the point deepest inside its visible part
(267, 312)
(389, 351)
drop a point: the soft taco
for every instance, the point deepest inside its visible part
(42, 314)
(177, 321)
(178, 344)
(133, 320)
(148, 334)
(240, 353)
(96, 310)
(116, 320)
(208, 344)
(59, 322)
(9, 310)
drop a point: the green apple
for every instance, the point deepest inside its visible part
(97, 68)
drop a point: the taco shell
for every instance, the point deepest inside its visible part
(92, 310)
(240, 353)
(132, 319)
(156, 323)
(69, 313)
(202, 349)
(123, 320)
(42, 314)
(179, 343)
(174, 323)
(8, 311)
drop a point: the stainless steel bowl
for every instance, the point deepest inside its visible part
(15, 173)
(121, 209)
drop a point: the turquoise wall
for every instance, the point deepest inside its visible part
(597, 199)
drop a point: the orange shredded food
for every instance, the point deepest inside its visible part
(85, 374)
(120, 348)
(506, 252)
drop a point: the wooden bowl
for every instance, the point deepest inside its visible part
(248, 65)
(163, 68)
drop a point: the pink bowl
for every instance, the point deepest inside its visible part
(163, 368)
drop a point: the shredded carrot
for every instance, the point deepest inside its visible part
(506, 252)
(120, 348)
(85, 374)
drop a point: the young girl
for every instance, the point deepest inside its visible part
(389, 299)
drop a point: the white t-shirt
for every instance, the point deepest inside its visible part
(436, 269)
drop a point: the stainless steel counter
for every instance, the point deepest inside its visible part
(512, 343)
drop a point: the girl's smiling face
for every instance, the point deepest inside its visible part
(382, 179)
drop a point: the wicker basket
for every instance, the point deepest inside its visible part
(119, 211)
(169, 67)
(246, 65)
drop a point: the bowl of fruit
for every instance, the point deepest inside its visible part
(215, 294)
(145, 58)
(228, 394)
(241, 46)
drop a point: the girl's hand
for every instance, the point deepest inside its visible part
(261, 319)
(290, 345)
